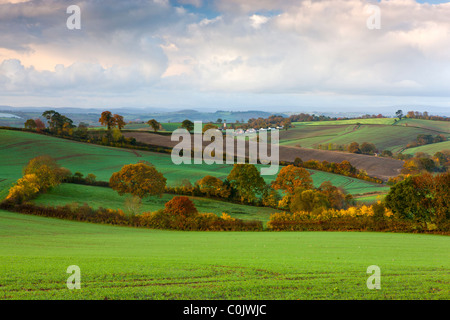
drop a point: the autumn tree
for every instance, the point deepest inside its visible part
(308, 200)
(188, 125)
(24, 189)
(213, 186)
(298, 162)
(39, 125)
(335, 196)
(139, 179)
(354, 147)
(271, 198)
(57, 122)
(40, 174)
(292, 177)
(30, 124)
(119, 122)
(208, 126)
(155, 125)
(107, 119)
(47, 171)
(82, 130)
(247, 180)
(368, 148)
(180, 206)
(422, 198)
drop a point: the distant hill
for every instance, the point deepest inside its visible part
(15, 117)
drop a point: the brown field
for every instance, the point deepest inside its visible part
(382, 168)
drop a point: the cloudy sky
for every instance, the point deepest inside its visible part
(276, 55)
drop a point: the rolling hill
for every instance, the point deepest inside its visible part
(19, 147)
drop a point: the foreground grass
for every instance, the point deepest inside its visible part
(129, 263)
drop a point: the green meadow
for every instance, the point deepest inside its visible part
(430, 149)
(131, 263)
(381, 132)
(107, 198)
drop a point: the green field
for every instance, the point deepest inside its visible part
(393, 138)
(430, 149)
(385, 121)
(380, 132)
(19, 147)
(131, 263)
(107, 198)
(437, 126)
(144, 126)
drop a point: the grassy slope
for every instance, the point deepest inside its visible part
(128, 263)
(385, 121)
(393, 138)
(438, 126)
(108, 198)
(18, 147)
(381, 132)
(431, 149)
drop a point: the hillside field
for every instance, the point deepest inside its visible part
(385, 137)
(131, 263)
(19, 147)
(107, 198)
(430, 149)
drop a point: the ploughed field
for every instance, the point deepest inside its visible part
(132, 263)
(383, 168)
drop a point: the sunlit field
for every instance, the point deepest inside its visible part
(131, 263)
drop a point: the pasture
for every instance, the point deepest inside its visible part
(97, 197)
(430, 149)
(131, 263)
(385, 137)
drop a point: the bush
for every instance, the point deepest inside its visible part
(364, 218)
(161, 219)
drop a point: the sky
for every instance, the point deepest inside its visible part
(272, 55)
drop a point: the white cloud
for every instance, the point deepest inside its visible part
(251, 47)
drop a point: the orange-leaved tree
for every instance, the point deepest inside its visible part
(155, 125)
(48, 172)
(107, 119)
(247, 180)
(119, 122)
(213, 186)
(291, 177)
(180, 206)
(138, 179)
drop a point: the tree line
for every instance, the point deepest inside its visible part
(419, 203)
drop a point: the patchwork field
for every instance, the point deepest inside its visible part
(130, 263)
(383, 168)
(392, 137)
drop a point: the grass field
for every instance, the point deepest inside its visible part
(384, 121)
(107, 198)
(393, 138)
(430, 149)
(169, 127)
(129, 263)
(19, 147)
(438, 126)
